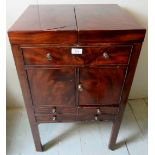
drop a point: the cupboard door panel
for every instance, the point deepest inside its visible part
(101, 86)
(52, 86)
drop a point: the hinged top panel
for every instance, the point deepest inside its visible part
(107, 23)
(45, 24)
(73, 24)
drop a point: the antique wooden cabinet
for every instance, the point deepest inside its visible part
(75, 63)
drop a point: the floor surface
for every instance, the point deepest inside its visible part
(80, 138)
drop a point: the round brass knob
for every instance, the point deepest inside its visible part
(96, 118)
(54, 110)
(106, 55)
(49, 56)
(98, 111)
(80, 87)
(54, 118)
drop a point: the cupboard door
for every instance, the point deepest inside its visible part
(52, 86)
(101, 86)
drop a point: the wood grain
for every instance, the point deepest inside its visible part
(40, 24)
(101, 86)
(76, 85)
(22, 75)
(52, 86)
(107, 23)
(58, 110)
(125, 93)
(118, 54)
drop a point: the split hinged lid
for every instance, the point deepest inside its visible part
(73, 24)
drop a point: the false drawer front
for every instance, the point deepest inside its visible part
(98, 110)
(55, 110)
(112, 54)
(71, 118)
(91, 117)
(55, 118)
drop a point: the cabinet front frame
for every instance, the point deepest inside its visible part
(78, 67)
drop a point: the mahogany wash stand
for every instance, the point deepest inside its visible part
(75, 63)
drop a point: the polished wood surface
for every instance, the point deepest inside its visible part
(73, 118)
(107, 23)
(59, 56)
(117, 54)
(81, 24)
(59, 86)
(22, 75)
(102, 117)
(58, 118)
(125, 94)
(39, 24)
(104, 17)
(52, 86)
(101, 86)
(57, 110)
(43, 18)
(98, 110)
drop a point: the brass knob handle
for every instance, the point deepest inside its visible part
(80, 87)
(96, 118)
(49, 56)
(98, 111)
(54, 118)
(106, 55)
(54, 110)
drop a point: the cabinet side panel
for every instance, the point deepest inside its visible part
(125, 93)
(22, 75)
(18, 58)
(130, 73)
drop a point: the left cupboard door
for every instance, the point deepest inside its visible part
(52, 86)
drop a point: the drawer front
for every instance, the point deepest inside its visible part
(55, 110)
(71, 118)
(116, 54)
(100, 86)
(55, 118)
(52, 87)
(50, 56)
(102, 117)
(98, 110)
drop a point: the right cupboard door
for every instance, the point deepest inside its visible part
(101, 86)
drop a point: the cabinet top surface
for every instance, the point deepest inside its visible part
(74, 17)
(46, 18)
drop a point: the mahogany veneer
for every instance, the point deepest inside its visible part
(75, 63)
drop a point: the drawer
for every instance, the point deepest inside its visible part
(55, 110)
(98, 110)
(55, 118)
(115, 54)
(71, 118)
(50, 56)
(91, 117)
